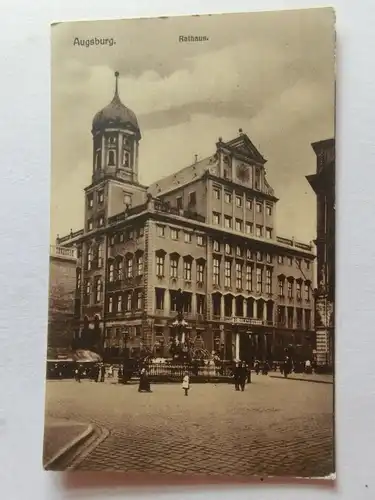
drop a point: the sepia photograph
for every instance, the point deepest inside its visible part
(191, 314)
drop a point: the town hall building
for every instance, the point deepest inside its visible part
(208, 230)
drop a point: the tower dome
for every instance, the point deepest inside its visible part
(116, 114)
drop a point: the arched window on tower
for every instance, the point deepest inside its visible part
(111, 158)
(125, 159)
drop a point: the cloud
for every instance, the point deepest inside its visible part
(271, 74)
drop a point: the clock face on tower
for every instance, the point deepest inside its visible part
(243, 173)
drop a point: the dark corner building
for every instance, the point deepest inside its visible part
(323, 184)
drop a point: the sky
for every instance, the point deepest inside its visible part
(271, 74)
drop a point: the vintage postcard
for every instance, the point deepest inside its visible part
(192, 257)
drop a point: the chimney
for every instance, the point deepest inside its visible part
(195, 158)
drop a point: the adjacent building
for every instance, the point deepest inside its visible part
(209, 230)
(323, 184)
(62, 289)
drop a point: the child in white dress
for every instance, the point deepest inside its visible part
(186, 383)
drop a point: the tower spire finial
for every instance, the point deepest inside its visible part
(117, 74)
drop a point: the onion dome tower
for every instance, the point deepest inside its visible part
(116, 137)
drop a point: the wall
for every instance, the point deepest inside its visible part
(62, 283)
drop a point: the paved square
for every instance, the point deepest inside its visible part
(276, 427)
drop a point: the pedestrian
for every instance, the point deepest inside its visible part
(144, 383)
(186, 383)
(102, 373)
(242, 375)
(110, 371)
(77, 373)
(97, 373)
(237, 376)
(257, 367)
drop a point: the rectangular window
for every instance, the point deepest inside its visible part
(280, 259)
(269, 281)
(249, 254)
(249, 204)
(290, 317)
(259, 256)
(200, 272)
(227, 197)
(299, 318)
(187, 237)
(122, 237)
(238, 201)
(101, 221)
(174, 234)
(216, 219)
(228, 222)
(307, 264)
(290, 289)
(101, 197)
(269, 258)
(160, 265)
(159, 298)
(298, 291)
(238, 276)
(259, 207)
(290, 261)
(119, 270)
(227, 273)
(228, 249)
(268, 209)
(249, 227)
(249, 277)
(90, 225)
(239, 251)
(268, 233)
(187, 270)
(78, 279)
(174, 267)
(119, 303)
(200, 304)
(200, 240)
(259, 275)
(127, 200)
(90, 200)
(216, 193)
(307, 319)
(259, 231)
(216, 271)
(281, 287)
(239, 225)
(139, 300)
(110, 304)
(179, 202)
(139, 265)
(192, 199)
(307, 292)
(128, 301)
(160, 230)
(216, 246)
(129, 267)
(111, 272)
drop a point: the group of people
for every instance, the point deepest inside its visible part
(96, 373)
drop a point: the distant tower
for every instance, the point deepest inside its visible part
(116, 137)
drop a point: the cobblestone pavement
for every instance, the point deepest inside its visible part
(273, 428)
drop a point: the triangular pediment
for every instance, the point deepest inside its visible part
(243, 145)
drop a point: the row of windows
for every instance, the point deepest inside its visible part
(128, 234)
(133, 267)
(99, 198)
(294, 286)
(125, 302)
(192, 201)
(174, 267)
(288, 316)
(177, 234)
(111, 159)
(243, 276)
(239, 251)
(239, 201)
(100, 221)
(239, 226)
(187, 300)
